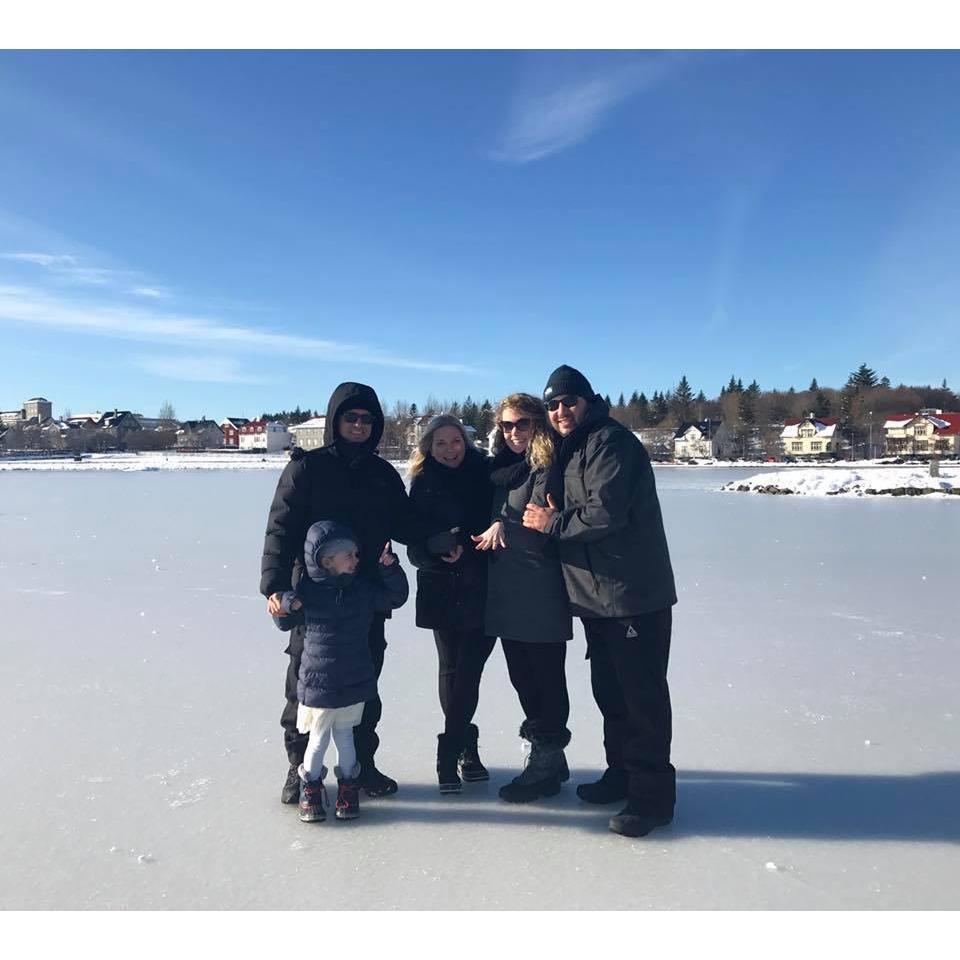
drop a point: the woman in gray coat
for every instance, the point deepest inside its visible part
(527, 603)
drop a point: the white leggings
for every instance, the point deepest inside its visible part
(324, 723)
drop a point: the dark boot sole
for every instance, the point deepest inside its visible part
(524, 794)
(474, 777)
(377, 793)
(451, 788)
(637, 826)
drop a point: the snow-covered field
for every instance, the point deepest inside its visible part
(816, 718)
(863, 481)
(153, 461)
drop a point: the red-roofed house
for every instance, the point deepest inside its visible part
(927, 432)
(810, 437)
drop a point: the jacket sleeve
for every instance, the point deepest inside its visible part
(286, 529)
(407, 525)
(611, 476)
(392, 589)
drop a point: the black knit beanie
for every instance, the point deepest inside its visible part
(565, 380)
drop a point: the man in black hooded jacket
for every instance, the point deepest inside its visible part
(346, 481)
(604, 513)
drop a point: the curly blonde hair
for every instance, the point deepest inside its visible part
(540, 448)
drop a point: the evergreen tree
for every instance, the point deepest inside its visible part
(635, 397)
(754, 388)
(732, 385)
(863, 377)
(607, 400)
(469, 413)
(739, 385)
(821, 405)
(485, 419)
(643, 410)
(813, 385)
(683, 399)
(621, 403)
(413, 410)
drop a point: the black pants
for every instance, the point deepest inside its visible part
(628, 673)
(462, 655)
(365, 733)
(537, 672)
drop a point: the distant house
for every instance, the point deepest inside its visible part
(231, 431)
(200, 434)
(155, 423)
(704, 439)
(658, 441)
(9, 418)
(264, 436)
(925, 433)
(811, 437)
(309, 434)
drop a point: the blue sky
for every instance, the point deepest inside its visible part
(239, 231)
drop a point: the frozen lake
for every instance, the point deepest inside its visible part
(814, 678)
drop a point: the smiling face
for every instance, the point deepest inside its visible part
(358, 431)
(566, 419)
(340, 563)
(517, 428)
(447, 447)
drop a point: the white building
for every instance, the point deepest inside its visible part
(811, 437)
(309, 434)
(703, 440)
(265, 436)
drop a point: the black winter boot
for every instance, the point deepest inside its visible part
(527, 732)
(541, 776)
(291, 786)
(632, 821)
(448, 751)
(610, 788)
(348, 795)
(469, 764)
(375, 783)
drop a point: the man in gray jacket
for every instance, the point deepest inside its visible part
(604, 513)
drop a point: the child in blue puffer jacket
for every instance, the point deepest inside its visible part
(336, 671)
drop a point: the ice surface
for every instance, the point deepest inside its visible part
(142, 758)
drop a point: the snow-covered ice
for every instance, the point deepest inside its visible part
(813, 674)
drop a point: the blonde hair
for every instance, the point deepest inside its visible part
(539, 453)
(419, 456)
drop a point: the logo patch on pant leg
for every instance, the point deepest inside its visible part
(631, 632)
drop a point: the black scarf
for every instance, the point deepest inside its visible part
(469, 485)
(509, 470)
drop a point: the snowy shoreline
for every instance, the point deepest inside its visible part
(869, 481)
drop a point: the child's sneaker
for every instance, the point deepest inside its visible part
(313, 797)
(348, 796)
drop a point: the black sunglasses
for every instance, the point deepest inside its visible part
(568, 402)
(363, 418)
(522, 424)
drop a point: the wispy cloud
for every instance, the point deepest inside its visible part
(206, 369)
(28, 305)
(557, 114)
(151, 293)
(65, 267)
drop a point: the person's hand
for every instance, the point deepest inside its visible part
(387, 557)
(491, 538)
(454, 555)
(538, 518)
(273, 605)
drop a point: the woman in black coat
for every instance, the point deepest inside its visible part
(527, 604)
(450, 486)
